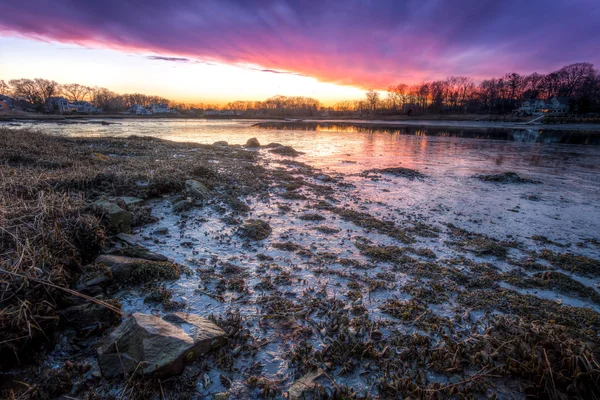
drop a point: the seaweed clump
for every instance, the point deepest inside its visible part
(255, 229)
(397, 171)
(506, 177)
(573, 263)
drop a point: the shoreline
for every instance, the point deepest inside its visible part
(434, 122)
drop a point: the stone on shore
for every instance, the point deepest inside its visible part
(138, 270)
(118, 220)
(253, 143)
(196, 190)
(303, 385)
(158, 346)
(138, 252)
(221, 143)
(288, 151)
(182, 205)
(89, 316)
(132, 240)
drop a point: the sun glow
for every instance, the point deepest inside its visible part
(179, 80)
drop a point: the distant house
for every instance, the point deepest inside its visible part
(83, 107)
(160, 109)
(139, 110)
(556, 105)
(58, 105)
(6, 103)
(63, 106)
(221, 113)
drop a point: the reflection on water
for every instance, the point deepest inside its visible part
(475, 132)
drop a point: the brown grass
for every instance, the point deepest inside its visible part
(47, 229)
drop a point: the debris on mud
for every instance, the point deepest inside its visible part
(396, 171)
(288, 151)
(506, 177)
(255, 229)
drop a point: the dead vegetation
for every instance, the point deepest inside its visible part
(48, 231)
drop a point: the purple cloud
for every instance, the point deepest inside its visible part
(359, 42)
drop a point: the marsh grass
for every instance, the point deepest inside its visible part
(48, 231)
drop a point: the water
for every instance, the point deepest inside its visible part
(567, 209)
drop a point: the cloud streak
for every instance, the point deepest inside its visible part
(354, 42)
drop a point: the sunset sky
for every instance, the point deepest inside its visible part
(223, 50)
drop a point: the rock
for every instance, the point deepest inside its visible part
(221, 143)
(132, 240)
(138, 252)
(164, 345)
(273, 145)
(94, 286)
(196, 190)
(304, 384)
(182, 205)
(160, 231)
(89, 315)
(323, 178)
(118, 219)
(137, 269)
(253, 143)
(129, 200)
(286, 151)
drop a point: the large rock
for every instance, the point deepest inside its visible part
(158, 346)
(118, 220)
(196, 190)
(253, 142)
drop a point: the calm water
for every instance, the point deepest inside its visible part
(566, 205)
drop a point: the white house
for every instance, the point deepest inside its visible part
(160, 109)
(210, 111)
(139, 110)
(556, 105)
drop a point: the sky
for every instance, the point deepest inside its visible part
(224, 50)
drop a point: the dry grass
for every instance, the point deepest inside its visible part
(47, 229)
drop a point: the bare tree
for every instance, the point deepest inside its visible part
(75, 92)
(4, 88)
(36, 91)
(372, 100)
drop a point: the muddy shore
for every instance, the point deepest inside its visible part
(316, 294)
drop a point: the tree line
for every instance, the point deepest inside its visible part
(37, 91)
(579, 82)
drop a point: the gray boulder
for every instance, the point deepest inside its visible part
(196, 190)
(157, 346)
(118, 220)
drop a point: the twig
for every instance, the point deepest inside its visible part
(70, 291)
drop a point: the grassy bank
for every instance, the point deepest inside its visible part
(48, 230)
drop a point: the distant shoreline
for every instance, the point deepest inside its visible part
(464, 121)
